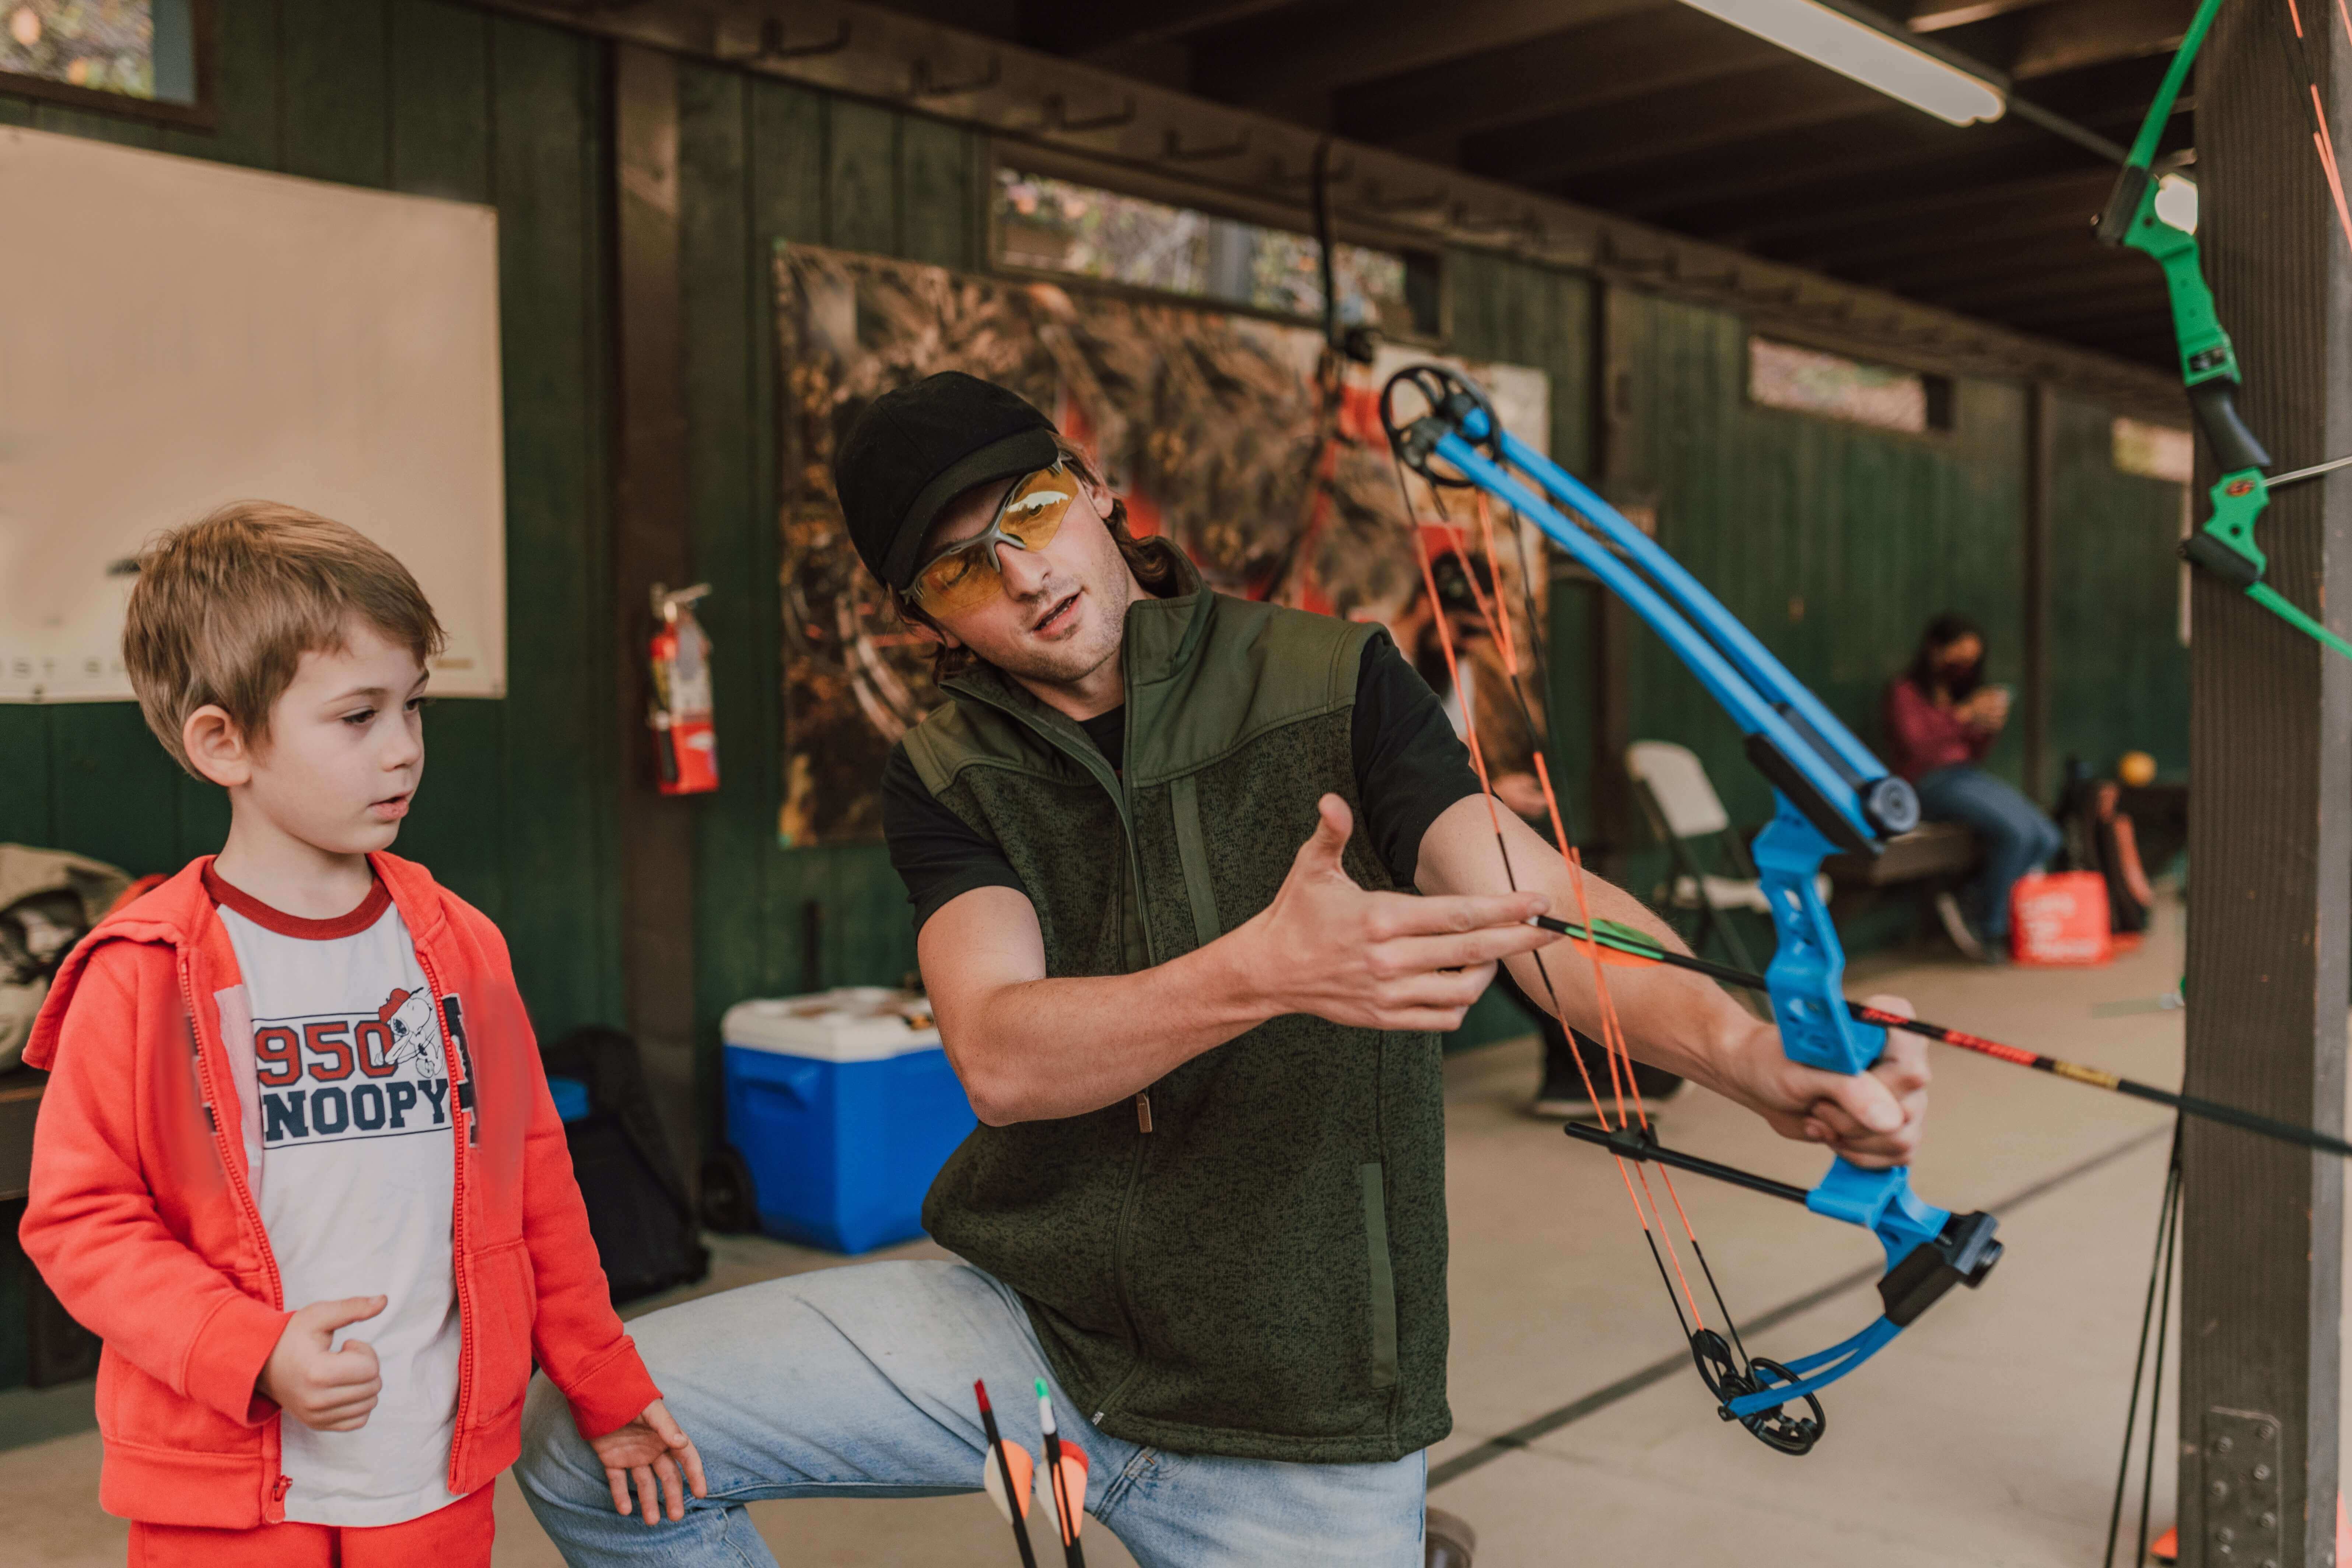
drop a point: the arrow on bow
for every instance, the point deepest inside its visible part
(1631, 946)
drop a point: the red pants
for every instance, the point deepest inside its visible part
(458, 1536)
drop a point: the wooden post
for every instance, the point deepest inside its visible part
(2041, 440)
(2269, 833)
(650, 544)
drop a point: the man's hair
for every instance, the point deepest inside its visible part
(1151, 560)
(224, 609)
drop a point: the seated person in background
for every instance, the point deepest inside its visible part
(1941, 719)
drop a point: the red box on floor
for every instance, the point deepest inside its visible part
(2060, 918)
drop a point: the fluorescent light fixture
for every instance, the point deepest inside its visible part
(2176, 202)
(1857, 49)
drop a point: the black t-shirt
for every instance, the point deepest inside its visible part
(1409, 767)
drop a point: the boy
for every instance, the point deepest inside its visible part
(295, 1092)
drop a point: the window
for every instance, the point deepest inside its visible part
(141, 56)
(2154, 451)
(1045, 223)
(1782, 376)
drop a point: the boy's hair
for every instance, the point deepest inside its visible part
(224, 609)
(1149, 559)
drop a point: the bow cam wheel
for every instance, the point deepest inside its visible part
(1452, 405)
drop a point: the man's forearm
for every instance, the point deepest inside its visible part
(1672, 1019)
(1034, 1050)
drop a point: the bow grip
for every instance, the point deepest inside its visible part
(2214, 403)
(2202, 550)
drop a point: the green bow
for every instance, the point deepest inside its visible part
(2209, 364)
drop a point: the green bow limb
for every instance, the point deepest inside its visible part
(2225, 545)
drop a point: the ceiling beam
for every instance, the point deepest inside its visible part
(1925, 250)
(1941, 16)
(2127, 278)
(1811, 233)
(1900, 150)
(2117, 312)
(1120, 130)
(1608, 62)
(1082, 27)
(1311, 53)
(1783, 94)
(2063, 242)
(2082, 33)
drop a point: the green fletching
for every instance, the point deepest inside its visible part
(1619, 935)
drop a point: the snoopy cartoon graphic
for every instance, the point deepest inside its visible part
(408, 1015)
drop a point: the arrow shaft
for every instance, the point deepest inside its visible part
(2016, 1055)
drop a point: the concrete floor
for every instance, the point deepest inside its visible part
(1987, 1434)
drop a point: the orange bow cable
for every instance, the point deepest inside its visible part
(2330, 167)
(1613, 1029)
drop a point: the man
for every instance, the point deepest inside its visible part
(1154, 842)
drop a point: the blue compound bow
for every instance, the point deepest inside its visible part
(1830, 794)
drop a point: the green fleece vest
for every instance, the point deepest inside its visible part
(1262, 1272)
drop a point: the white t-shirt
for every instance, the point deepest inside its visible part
(356, 1181)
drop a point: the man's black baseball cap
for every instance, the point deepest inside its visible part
(916, 449)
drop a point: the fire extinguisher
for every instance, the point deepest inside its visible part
(686, 743)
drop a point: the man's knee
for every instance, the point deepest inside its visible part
(550, 1439)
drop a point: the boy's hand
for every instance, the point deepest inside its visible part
(326, 1389)
(651, 1450)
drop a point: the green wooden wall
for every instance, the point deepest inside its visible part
(517, 810)
(762, 162)
(2118, 672)
(1835, 541)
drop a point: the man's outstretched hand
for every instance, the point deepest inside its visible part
(1874, 1118)
(1379, 960)
(652, 1451)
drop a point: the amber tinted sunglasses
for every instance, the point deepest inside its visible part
(965, 575)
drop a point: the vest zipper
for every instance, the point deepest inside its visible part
(1143, 1110)
(271, 1443)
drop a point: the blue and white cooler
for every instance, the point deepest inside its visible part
(842, 1108)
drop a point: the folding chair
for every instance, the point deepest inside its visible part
(1687, 814)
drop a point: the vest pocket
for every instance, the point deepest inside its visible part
(1383, 1277)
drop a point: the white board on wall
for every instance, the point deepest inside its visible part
(175, 334)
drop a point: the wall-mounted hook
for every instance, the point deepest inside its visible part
(1278, 175)
(1173, 147)
(1379, 204)
(1059, 119)
(920, 85)
(773, 47)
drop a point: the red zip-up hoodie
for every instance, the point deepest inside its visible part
(141, 1215)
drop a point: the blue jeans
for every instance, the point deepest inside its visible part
(856, 1381)
(2018, 837)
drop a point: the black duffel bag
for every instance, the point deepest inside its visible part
(638, 1208)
